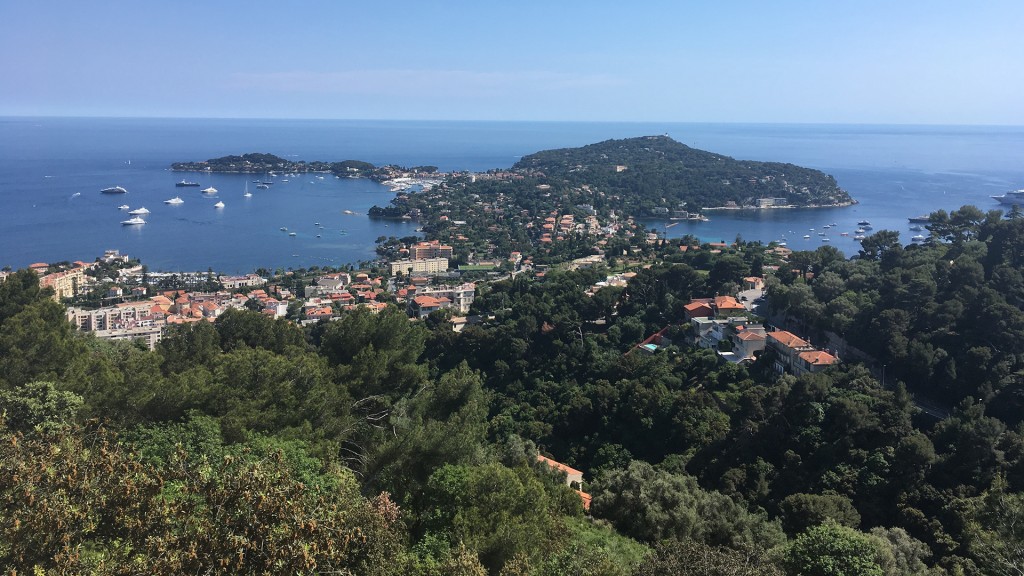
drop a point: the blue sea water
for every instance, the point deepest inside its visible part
(893, 171)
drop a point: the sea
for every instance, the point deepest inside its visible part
(52, 170)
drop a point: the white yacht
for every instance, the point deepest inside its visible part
(218, 205)
(1011, 197)
(209, 190)
(122, 207)
(133, 221)
(175, 200)
(139, 211)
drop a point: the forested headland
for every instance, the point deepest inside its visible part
(651, 172)
(377, 445)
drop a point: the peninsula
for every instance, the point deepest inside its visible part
(262, 163)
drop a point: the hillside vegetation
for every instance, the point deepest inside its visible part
(655, 171)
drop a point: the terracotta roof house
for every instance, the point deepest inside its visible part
(815, 361)
(726, 305)
(697, 309)
(787, 347)
(571, 474)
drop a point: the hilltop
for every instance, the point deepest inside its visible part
(654, 174)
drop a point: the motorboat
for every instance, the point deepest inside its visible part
(175, 200)
(858, 237)
(863, 223)
(186, 184)
(918, 238)
(218, 205)
(922, 219)
(113, 190)
(284, 228)
(139, 211)
(916, 228)
(133, 221)
(209, 190)
(807, 236)
(123, 207)
(291, 233)
(262, 186)
(246, 193)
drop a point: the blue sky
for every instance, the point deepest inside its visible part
(870, 61)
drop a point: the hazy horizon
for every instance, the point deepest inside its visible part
(910, 63)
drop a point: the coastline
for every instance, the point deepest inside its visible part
(785, 207)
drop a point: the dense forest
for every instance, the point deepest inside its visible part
(376, 445)
(656, 171)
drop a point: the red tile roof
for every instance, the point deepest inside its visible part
(818, 358)
(788, 339)
(727, 302)
(586, 498)
(558, 466)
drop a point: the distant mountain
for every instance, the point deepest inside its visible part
(655, 174)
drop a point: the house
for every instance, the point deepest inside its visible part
(698, 308)
(727, 305)
(787, 348)
(422, 306)
(812, 362)
(321, 313)
(746, 340)
(753, 283)
(573, 478)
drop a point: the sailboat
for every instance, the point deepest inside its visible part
(247, 193)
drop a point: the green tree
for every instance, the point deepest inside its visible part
(802, 511)
(832, 550)
(694, 558)
(995, 530)
(650, 504)
(38, 405)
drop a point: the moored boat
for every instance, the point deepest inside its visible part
(133, 221)
(138, 211)
(175, 200)
(209, 190)
(219, 205)
(113, 190)
(187, 184)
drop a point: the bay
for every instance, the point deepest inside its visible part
(893, 171)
